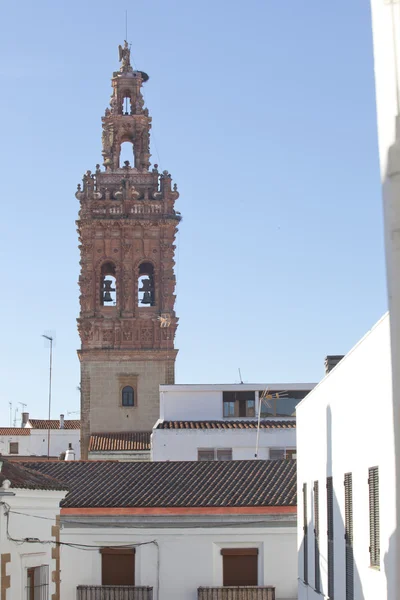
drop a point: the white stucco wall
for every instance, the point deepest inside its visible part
(345, 425)
(181, 444)
(44, 505)
(35, 444)
(187, 558)
(204, 402)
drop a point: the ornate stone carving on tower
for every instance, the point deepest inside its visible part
(127, 227)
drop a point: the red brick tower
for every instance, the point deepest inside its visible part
(127, 226)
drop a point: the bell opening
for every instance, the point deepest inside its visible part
(146, 285)
(108, 288)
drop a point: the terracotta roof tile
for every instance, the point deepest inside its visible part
(264, 424)
(54, 423)
(120, 442)
(176, 484)
(22, 477)
(15, 431)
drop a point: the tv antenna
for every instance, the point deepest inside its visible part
(268, 398)
(240, 375)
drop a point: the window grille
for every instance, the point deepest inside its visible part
(37, 583)
(317, 567)
(329, 498)
(374, 537)
(305, 535)
(348, 536)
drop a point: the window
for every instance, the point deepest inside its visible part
(117, 566)
(126, 154)
(348, 536)
(282, 453)
(14, 448)
(214, 454)
(239, 566)
(239, 404)
(329, 498)
(281, 407)
(374, 541)
(128, 396)
(37, 583)
(317, 567)
(305, 535)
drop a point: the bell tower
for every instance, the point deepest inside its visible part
(127, 227)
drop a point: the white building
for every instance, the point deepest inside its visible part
(29, 519)
(346, 475)
(220, 422)
(175, 527)
(386, 39)
(32, 438)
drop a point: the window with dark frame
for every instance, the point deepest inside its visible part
(240, 566)
(305, 535)
(329, 499)
(37, 583)
(14, 448)
(205, 454)
(348, 536)
(128, 396)
(282, 453)
(317, 567)
(117, 566)
(374, 526)
(239, 404)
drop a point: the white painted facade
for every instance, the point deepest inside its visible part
(184, 557)
(386, 42)
(36, 443)
(40, 503)
(345, 425)
(205, 403)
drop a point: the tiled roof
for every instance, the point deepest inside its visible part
(54, 423)
(14, 431)
(106, 484)
(264, 424)
(22, 477)
(119, 442)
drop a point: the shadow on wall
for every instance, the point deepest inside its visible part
(329, 558)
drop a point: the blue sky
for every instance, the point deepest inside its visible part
(264, 113)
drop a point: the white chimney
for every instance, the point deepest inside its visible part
(61, 421)
(70, 453)
(25, 419)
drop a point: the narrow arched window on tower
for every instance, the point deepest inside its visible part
(146, 296)
(127, 153)
(126, 104)
(108, 285)
(128, 396)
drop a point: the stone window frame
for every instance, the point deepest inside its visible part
(123, 381)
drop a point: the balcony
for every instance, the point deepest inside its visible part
(113, 592)
(236, 593)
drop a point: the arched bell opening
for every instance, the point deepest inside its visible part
(126, 103)
(146, 295)
(126, 153)
(108, 285)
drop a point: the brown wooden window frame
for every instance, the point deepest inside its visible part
(119, 552)
(250, 570)
(13, 445)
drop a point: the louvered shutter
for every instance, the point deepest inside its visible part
(329, 498)
(374, 536)
(317, 569)
(348, 512)
(305, 536)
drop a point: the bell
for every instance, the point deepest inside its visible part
(146, 286)
(107, 289)
(146, 298)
